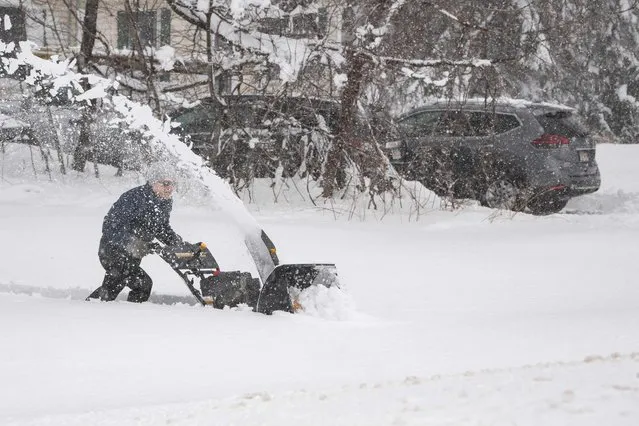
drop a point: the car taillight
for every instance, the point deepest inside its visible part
(548, 140)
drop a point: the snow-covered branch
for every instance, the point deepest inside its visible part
(371, 36)
(58, 76)
(227, 21)
(430, 63)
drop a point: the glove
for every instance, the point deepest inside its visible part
(139, 248)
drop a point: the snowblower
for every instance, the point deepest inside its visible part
(197, 267)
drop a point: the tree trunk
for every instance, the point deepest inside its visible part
(213, 92)
(348, 145)
(346, 141)
(56, 141)
(89, 30)
(83, 149)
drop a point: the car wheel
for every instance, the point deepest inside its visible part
(544, 205)
(502, 194)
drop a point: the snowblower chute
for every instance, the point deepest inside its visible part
(197, 267)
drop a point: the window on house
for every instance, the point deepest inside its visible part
(153, 28)
(224, 82)
(310, 24)
(305, 24)
(301, 25)
(348, 25)
(275, 26)
(12, 28)
(322, 21)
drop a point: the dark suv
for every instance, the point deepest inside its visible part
(15, 130)
(258, 134)
(508, 154)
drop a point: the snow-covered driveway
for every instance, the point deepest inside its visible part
(460, 318)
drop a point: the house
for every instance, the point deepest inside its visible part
(286, 31)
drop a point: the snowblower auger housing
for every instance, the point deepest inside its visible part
(196, 265)
(276, 292)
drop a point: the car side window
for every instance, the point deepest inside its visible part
(490, 123)
(420, 124)
(505, 123)
(453, 124)
(481, 123)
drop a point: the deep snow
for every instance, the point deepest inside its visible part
(468, 317)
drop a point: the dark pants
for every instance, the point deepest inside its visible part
(122, 270)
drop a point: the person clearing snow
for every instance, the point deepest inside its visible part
(138, 225)
(130, 228)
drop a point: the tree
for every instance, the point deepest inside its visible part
(372, 50)
(251, 44)
(89, 31)
(580, 64)
(391, 55)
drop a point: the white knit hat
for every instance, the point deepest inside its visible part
(161, 171)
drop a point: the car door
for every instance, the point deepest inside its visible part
(479, 143)
(496, 136)
(431, 140)
(412, 157)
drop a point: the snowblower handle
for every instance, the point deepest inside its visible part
(200, 248)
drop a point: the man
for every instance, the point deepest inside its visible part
(135, 220)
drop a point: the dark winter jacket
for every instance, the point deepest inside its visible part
(138, 217)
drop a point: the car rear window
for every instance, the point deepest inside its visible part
(562, 123)
(489, 123)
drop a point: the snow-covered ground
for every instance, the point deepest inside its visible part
(470, 317)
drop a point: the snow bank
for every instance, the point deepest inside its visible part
(619, 192)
